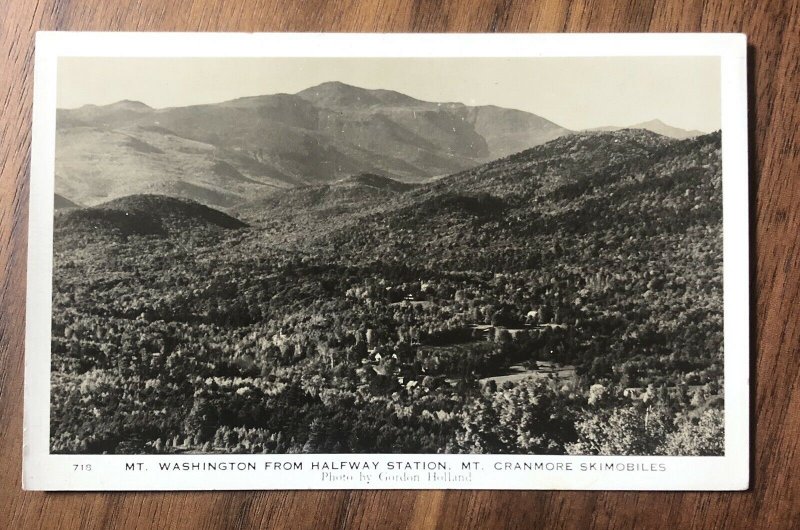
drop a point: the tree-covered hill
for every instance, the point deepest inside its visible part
(142, 215)
(620, 191)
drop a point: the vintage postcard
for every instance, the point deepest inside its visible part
(330, 261)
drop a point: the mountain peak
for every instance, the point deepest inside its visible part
(130, 104)
(654, 121)
(334, 85)
(122, 105)
(336, 93)
(339, 94)
(657, 126)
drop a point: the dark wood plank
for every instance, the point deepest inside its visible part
(774, 501)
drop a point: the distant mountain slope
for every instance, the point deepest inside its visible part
(509, 131)
(60, 202)
(95, 164)
(142, 215)
(220, 154)
(310, 210)
(656, 126)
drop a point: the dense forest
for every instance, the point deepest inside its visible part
(563, 300)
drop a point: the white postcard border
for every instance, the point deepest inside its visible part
(43, 471)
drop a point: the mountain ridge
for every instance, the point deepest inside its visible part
(319, 135)
(224, 154)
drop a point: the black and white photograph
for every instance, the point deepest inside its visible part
(388, 256)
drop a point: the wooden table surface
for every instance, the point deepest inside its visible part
(773, 28)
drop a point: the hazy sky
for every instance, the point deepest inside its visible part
(576, 93)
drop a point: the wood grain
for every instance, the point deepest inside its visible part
(773, 28)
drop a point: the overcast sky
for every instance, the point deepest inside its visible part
(576, 93)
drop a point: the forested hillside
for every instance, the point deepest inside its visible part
(564, 299)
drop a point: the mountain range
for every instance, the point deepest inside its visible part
(593, 182)
(226, 154)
